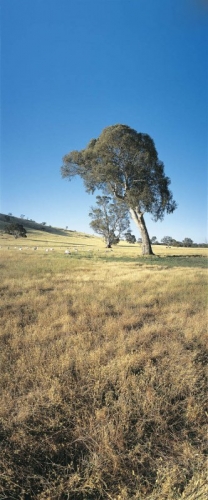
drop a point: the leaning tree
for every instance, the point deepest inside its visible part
(125, 164)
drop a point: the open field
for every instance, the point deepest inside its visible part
(103, 370)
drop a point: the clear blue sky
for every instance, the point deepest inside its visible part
(73, 67)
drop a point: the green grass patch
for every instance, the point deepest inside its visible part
(166, 261)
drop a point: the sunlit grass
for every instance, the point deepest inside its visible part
(103, 371)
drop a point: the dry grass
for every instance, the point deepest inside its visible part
(103, 379)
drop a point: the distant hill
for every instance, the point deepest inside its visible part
(31, 224)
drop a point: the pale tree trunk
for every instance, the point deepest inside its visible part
(108, 242)
(140, 222)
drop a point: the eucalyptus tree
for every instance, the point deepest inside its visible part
(167, 240)
(110, 219)
(187, 242)
(124, 163)
(17, 230)
(130, 237)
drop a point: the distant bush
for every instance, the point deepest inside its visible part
(17, 230)
(130, 237)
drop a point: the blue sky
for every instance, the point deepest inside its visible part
(73, 67)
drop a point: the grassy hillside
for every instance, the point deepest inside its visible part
(103, 373)
(58, 239)
(31, 225)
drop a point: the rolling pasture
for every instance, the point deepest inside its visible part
(103, 370)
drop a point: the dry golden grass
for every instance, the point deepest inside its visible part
(103, 373)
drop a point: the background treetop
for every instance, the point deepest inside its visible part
(109, 219)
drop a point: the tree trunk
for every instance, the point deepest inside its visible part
(108, 242)
(140, 222)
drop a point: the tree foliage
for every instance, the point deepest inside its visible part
(130, 237)
(167, 240)
(15, 229)
(154, 240)
(109, 219)
(187, 242)
(125, 164)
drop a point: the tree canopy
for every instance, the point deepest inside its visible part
(109, 219)
(130, 237)
(187, 242)
(17, 230)
(124, 163)
(167, 240)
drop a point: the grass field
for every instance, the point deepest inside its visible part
(103, 370)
